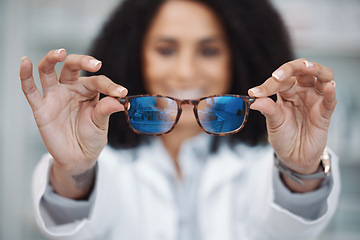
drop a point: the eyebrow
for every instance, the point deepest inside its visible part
(202, 41)
(212, 39)
(165, 39)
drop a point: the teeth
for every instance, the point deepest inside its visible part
(191, 93)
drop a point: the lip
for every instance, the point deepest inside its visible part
(190, 93)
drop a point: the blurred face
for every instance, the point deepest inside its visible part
(185, 54)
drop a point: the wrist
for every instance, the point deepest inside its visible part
(71, 168)
(308, 169)
(72, 184)
(322, 170)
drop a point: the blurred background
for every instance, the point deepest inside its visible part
(324, 31)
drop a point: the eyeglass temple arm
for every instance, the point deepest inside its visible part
(121, 100)
(251, 100)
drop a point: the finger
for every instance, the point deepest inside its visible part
(322, 73)
(104, 108)
(306, 80)
(301, 70)
(46, 68)
(329, 100)
(302, 66)
(74, 64)
(102, 84)
(271, 87)
(270, 110)
(320, 86)
(28, 86)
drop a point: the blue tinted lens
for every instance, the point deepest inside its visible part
(152, 114)
(222, 114)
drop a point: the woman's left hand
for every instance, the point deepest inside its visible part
(298, 122)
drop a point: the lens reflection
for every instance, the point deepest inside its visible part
(152, 114)
(221, 114)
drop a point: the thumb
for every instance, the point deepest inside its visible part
(103, 109)
(270, 110)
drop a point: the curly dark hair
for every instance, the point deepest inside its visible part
(257, 39)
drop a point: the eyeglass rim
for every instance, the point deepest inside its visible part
(247, 99)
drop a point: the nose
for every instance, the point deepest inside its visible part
(185, 70)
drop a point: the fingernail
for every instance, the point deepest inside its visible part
(23, 58)
(308, 64)
(278, 74)
(333, 83)
(94, 62)
(59, 51)
(255, 90)
(121, 90)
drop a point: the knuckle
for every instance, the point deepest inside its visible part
(288, 68)
(103, 77)
(47, 63)
(317, 69)
(104, 81)
(75, 62)
(109, 87)
(266, 86)
(30, 90)
(69, 59)
(41, 65)
(45, 67)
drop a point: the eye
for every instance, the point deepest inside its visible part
(209, 51)
(166, 51)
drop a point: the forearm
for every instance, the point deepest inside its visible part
(69, 185)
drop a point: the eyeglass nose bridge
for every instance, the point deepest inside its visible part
(189, 102)
(193, 102)
(186, 102)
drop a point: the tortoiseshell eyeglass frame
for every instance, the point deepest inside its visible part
(247, 99)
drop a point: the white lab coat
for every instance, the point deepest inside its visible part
(235, 199)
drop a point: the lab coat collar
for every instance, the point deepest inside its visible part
(154, 165)
(222, 167)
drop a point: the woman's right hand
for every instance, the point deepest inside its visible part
(72, 121)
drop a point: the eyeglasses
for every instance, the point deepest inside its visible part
(156, 115)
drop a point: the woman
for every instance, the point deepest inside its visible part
(184, 184)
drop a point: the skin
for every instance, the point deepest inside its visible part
(189, 55)
(300, 117)
(192, 55)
